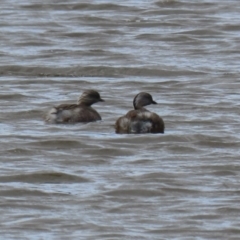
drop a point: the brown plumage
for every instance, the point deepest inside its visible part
(80, 112)
(140, 120)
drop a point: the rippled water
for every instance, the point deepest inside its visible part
(83, 181)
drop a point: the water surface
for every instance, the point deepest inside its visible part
(83, 181)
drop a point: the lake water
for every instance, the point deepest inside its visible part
(83, 181)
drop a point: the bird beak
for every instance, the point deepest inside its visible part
(153, 102)
(101, 100)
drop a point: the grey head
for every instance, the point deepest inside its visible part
(89, 97)
(142, 99)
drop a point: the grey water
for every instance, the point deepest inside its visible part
(83, 181)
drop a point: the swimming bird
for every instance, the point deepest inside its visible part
(140, 120)
(80, 112)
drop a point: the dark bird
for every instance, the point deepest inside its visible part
(140, 120)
